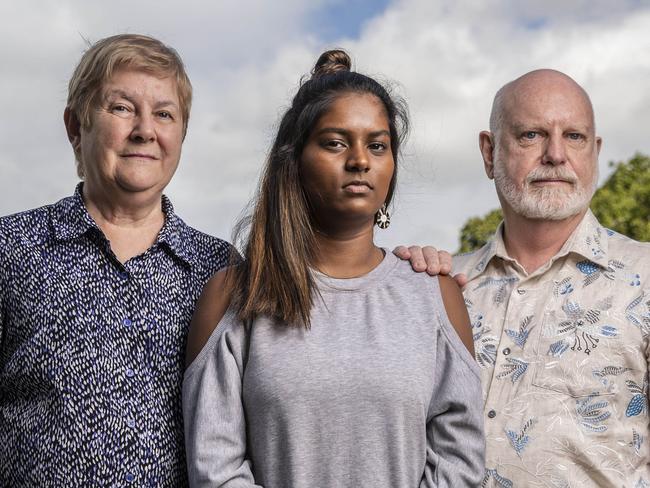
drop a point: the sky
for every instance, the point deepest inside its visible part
(245, 59)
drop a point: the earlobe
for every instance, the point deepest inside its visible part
(486, 145)
(72, 127)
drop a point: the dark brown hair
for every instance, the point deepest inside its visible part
(275, 278)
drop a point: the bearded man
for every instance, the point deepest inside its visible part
(560, 306)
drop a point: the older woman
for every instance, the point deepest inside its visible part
(97, 290)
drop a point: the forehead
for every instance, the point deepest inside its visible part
(355, 110)
(548, 104)
(139, 83)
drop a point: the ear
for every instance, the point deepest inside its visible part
(486, 145)
(599, 143)
(73, 128)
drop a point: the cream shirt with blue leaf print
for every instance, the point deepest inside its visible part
(564, 360)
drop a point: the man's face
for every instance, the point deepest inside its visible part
(546, 152)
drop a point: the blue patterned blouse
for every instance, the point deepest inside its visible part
(92, 351)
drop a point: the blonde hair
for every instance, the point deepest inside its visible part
(133, 51)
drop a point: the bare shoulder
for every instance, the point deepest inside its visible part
(456, 310)
(210, 309)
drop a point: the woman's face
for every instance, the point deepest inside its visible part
(134, 143)
(347, 163)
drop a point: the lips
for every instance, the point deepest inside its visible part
(555, 176)
(139, 156)
(550, 180)
(358, 186)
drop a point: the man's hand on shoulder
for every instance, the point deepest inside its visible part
(429, 259)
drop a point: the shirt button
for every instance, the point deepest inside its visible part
(129, 477)
(506, 351)
(521, 291)
(131, 423)
(130, 373)
(127, 322)
(492, 414)
(124, 275)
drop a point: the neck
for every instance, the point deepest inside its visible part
(347, 254)
(121, 208)
(533, 242)
(131, 223)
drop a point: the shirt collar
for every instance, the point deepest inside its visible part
(478, 260)
(72, 220)
(176, 234)
(589, 240)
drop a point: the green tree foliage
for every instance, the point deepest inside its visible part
(477, 230)
(621, 204)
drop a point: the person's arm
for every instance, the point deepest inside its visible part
(213, 412)
(457, 311)
(455, 438)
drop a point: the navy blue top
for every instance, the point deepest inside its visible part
(92, 351)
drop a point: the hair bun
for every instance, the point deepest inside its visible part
(331, 62)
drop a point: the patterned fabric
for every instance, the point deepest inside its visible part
(92, 352)
(564, 358)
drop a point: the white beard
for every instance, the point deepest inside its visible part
(546, 202)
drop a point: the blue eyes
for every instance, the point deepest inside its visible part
(531, 135)
(123, 110)
(120, 109)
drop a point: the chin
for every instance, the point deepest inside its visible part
(551, 207)
(141, 186)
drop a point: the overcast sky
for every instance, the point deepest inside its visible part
(245, 59)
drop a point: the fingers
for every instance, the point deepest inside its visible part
(402, 252)
(445, 260)
(430, 256)
(418, 261)
(461, 280)
(426, 258)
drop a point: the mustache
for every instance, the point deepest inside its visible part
(552, 174)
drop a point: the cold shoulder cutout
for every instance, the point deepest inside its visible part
(210, 309)
(456, 311)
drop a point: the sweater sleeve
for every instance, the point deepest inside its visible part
(455, 439)
(213, 412)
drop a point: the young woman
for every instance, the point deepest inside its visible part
(322, 360)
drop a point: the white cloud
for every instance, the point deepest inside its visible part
(245, 60)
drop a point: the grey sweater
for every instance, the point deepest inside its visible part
(380, 392)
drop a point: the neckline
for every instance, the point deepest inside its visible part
(374, 276)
